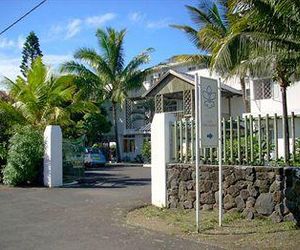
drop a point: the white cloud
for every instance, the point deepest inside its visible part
(20, 42)
(56, 30)
(55, 60)
(100, 20)
(163, 23)
(10, 66)
(6, 43)
(73, 28)
(12, 44)
(136, 16)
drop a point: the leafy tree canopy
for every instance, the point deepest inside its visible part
(106, 73)
(43, 98)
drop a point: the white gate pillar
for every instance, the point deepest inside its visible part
(160, 156)
(53, 171)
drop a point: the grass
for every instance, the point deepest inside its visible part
(236, 231)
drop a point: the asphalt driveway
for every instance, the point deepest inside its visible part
(89, 215)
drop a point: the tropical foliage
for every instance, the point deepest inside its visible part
(256, 38)
(213, 22)
(43, 98)
(109, 77)
(146, 150)
(262, 29)
(25, 155)
(95, 125)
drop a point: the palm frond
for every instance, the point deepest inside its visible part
(217, 20)
(37, 73)
(138, 61)
(209, 36)
(191, 33)
(111, 44)
(199, 15)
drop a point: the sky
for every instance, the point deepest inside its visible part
(63, 26)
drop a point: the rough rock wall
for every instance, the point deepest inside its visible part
(266, 191)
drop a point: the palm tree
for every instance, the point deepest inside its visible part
(213, 23)
(43, 98)
(271, 31)
(106, 71)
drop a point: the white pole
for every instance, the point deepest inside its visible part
(197, 150)
(220, 154)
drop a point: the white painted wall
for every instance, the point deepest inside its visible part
(233, 82)
(237, 106)
(274, 105)
(160, 156)
(53, 170)
(280, 135)
(139, 140)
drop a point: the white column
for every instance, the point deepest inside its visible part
(53, 171)
(160, 156)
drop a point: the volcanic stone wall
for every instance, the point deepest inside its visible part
(254, 191)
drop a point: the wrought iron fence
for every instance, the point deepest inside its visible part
(246, 140)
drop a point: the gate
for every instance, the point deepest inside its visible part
(73, 159)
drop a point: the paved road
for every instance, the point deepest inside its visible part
(86, 216)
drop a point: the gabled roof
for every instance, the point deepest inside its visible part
(230, 90)
(185, 77)
(145, 129)
(190, 79)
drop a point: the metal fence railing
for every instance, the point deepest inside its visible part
(246, 140)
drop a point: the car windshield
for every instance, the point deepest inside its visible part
(95, 150)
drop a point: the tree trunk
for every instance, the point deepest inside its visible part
(285, 123)
(115, 123)
(245, 101)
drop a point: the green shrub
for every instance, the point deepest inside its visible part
(3, 156)
(243, 151)
(146, 150)
(25, 155)
(6, 124)
(297, 153)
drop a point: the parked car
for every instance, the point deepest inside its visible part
(94, 157)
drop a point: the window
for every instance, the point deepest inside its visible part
(170, 105)
(262, 89)
(129, 144)
(191, 68)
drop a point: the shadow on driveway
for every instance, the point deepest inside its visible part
(109, 177)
